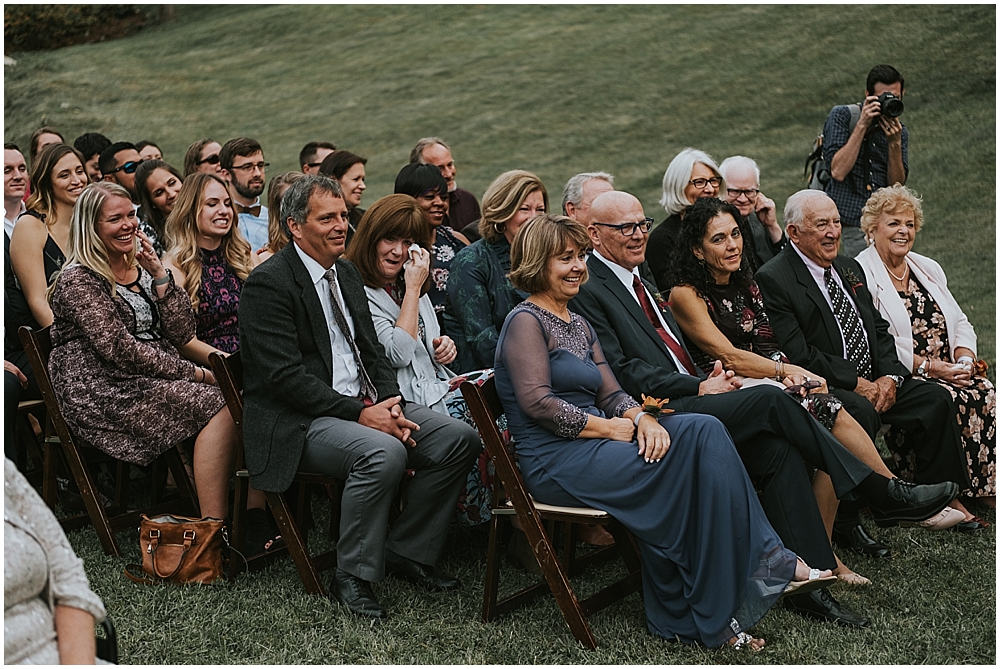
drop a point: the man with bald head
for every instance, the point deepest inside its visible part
(742, 177)
(774, 434)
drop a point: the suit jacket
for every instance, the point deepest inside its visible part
(890, 304)
(806, 327)
(638, 357)
(288, 363)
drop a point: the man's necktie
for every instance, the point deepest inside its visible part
(367, 387)
(253, 210)
(674, 346)
(850, 325)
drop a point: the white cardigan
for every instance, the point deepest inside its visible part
(890, 304)
(420, 378)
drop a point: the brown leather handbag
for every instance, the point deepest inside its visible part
(178, 549)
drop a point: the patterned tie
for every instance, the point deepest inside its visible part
(253, 210)
(368, 391)
(850, 325)
(672, 344)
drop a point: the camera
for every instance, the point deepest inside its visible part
(890, 105)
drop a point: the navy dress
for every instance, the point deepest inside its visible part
(711, 564)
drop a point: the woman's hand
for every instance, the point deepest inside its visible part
(444, 350)
(147, 258)
(620, 429)
(416, 270)
(654, 440)
(957, 375)
(797, 376)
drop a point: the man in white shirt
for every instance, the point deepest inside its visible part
(242, 160)
(15, 181)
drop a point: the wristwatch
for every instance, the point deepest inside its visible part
(922, 369)
(897, 379)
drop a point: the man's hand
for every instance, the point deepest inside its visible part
(387, 416)
(870, 111)
(886, 393)
(719, 381)
(765, 212)
(892, 128)
(13, 369)
(867, 389)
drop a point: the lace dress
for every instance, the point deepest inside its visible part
(219, 303)
(975, 405)
(711, 563)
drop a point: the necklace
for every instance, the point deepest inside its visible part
(906, 269)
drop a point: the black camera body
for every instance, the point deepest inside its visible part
(890, 105)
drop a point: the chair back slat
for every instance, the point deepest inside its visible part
(485, 407)
(228, 372)
(38, 347)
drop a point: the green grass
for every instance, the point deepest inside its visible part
(556, 90)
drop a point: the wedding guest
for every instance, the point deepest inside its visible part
(203, 156)
(348, 169)
(157, 185)
(277, 230)
(41, 138)
(148, 150)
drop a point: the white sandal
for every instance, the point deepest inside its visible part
(814, 582)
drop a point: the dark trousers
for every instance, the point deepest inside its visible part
(13, 394)
(775, 438)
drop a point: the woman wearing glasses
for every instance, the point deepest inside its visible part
(203, 156)
(692, 174)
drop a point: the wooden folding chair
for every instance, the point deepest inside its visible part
(228, 372)
(28, 455)
(77, 455)
(510, 497)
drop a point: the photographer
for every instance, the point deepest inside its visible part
(868, 156)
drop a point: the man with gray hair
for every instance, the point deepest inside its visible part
(322, 397)
(580, 192)
(742, 177)
(463, 208)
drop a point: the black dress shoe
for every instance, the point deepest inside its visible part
(857, 539)
(356, 594)
(417, 574)
(908, 501)
(820, 605)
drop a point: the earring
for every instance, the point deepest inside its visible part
(496, 226)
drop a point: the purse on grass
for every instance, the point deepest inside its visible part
(178, 549)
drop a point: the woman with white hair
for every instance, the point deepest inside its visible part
(692, 174)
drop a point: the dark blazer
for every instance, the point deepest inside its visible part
(288, 364)
(638, 357)
(806, 327)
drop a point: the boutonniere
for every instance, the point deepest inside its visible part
(852, 280)
(979, 368)
(655, 407)
(660, 302)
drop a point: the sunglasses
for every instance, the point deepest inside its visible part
(128, 168)
(211, 160)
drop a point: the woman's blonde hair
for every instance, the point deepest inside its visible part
(85, 245)
(182, 235)
(540, 239)
(503, 198)
(891, 200)
(398, 216)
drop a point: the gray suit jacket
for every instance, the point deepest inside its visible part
(288, 363)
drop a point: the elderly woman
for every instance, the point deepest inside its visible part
(692, 174)
(277, 231)
(397, 282)
(480, 293)
(348, 169)
(157, 185)
(712, 565)
(934, 338)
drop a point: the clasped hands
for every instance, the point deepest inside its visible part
(387, 416)
(881, 392)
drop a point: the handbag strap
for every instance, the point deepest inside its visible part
(189, 536)
(135, 573)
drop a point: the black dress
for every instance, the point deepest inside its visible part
(660, 247)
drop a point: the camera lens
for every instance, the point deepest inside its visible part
(890, 105)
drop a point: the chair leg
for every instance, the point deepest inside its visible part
(184, 487)
(492, 586)
(239, 517)
(84, 481)
(295, 543)
(50, 469)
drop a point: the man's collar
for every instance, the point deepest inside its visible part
(623, 274)
(316, 271)
(20, 210)
(811, 264)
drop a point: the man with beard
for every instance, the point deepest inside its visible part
(243, 161)
(118, 164)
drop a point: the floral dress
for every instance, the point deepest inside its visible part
(219, 303)
(446, 247)
(975, 405)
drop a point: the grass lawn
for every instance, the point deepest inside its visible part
(556, 90)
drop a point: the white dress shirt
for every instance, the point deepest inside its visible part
(8, 223)
(345, 367)
(819, 276)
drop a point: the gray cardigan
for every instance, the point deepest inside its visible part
(420, 378)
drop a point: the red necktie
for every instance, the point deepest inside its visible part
(672, 344)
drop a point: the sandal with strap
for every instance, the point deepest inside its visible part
(743, 640)
(814, 582)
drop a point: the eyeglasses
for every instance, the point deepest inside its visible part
(211, 160)
(748, 193)
(250, 167)
(628, 229)
(128, 168)
(701, 183)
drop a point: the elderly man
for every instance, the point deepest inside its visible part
(463, 209)
(742, 177)
(243, 165)
(321, 396)
(580, 192)
(773, 433)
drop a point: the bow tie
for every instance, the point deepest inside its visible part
(253, 210)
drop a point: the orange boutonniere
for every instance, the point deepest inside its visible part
(655, 407)
(979, 368)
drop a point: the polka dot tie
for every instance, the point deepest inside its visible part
(850, 326)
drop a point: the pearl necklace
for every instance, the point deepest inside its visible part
(906, 269)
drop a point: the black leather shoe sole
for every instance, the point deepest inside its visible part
(858, 540)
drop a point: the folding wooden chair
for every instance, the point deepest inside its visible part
(77, 456)
(228, 372)
(510, 497)
(28, 455)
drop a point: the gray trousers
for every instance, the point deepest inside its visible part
(372, 464)
(852, 241)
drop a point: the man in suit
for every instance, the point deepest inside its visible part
(775, 436)
(322, 397)
(823, 315)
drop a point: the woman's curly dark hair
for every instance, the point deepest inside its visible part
(684, 267)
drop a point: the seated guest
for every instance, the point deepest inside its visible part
(463, 210)
(49, 609)
(742, 177)
(90, 145)
(396, 283)
(42, 233)
(425, 184)
(203, 156)
(824, 320)
(580, 191)
(480, 293)
(19, 379)
(691, 174)
(348, 169)
(41, 138)
(118, 164)
(311, 358)
(157, 185)
(243, 165)
(582, 441)
(312, 155)
(148, 150)
(15, 185)
(774, 435)
(934, 339)
(277, 232)
(119, 319)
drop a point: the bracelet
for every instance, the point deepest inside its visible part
(638, 417)
(165, 279)
(779, 370)
(966, 361)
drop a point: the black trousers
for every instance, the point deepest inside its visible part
(13, 393)
(776, 438)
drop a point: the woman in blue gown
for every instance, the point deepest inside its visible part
(711, 564)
